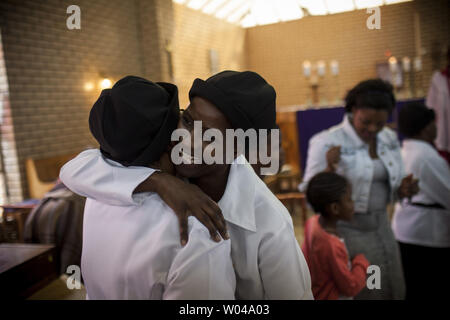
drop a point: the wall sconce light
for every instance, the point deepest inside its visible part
(105, 83)
(307, 68)
(321, 68)
(88, 86)
(334, 67)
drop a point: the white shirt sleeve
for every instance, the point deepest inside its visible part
(284, 271)
(316, 161)
(202, 270)
(434, 181)
(90, 175)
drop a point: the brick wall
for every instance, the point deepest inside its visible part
(195, 34)
(277, 51)
(48, 65)
(155, 30)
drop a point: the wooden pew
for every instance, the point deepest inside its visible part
(43, 173)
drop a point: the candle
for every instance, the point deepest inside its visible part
(406, 63)
(306, 68)
(393, 64)
(417, 64)
(321, 68)
(334, 67)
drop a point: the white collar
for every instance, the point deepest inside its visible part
(356, 140)
(350, 131)
(237, 203)
(415, 144)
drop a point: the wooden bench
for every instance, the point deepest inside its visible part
(284, 186)
(43, 173)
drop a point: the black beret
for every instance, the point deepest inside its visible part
(413, 117)
(133, 121)
(245, 98)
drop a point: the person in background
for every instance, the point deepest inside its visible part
(422, 225)
(367, 153)
(333, 274)
(58, 219)
(438, 99)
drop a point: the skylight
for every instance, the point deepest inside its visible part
(250, 13)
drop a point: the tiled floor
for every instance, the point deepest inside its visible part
(58, 290)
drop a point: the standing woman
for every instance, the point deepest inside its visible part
(367, 153)
(422, 225)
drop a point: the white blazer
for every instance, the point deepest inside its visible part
(418, 224)
(355, 164)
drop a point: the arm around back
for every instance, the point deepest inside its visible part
(91, 175)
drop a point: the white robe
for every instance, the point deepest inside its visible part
(266, 256)
(134, 252)
(417, 224)
(438, 99)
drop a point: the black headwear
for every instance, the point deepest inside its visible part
(413, 118)
(133, 121)
(372, 93)
(245, 98)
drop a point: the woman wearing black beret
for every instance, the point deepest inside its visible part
(422, 225)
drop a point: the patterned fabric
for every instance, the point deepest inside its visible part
(58, 219)
(371, 234)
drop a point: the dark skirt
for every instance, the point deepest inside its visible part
(425, 270)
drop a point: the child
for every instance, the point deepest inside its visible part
(332, 275)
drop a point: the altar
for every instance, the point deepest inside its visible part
(310, 121)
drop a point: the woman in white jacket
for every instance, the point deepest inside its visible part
(367, 153)
(422, 225)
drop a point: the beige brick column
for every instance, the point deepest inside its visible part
(156, 20)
